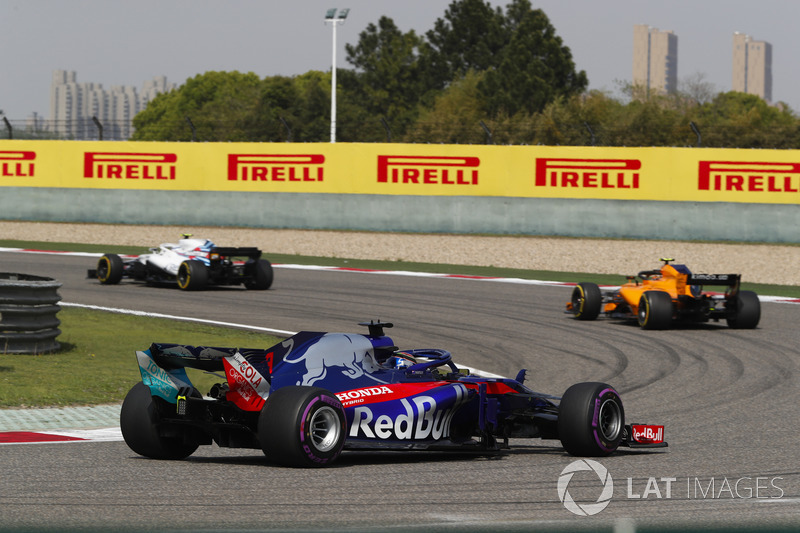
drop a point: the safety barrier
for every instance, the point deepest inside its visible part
(28, 307)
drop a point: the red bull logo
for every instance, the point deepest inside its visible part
(748, 176)
(425, 170)
(129, 166)
(588, 173)
(15, 164)
(275, 167)
(647, 434)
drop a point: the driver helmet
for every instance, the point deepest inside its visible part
(400, 360)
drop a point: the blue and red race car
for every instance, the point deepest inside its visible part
(314, 394)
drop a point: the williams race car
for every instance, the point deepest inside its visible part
(191, 263)
(305, 399)
(672, 293)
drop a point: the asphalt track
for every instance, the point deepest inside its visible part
(728, 399)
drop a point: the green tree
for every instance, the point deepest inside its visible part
(218, 104)
(387, 82)
(455, 116)
(534, 68)
(470, 36)
(742, 120)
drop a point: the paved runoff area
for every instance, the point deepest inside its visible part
(60, 424)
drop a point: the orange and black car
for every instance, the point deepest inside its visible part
(659, 298)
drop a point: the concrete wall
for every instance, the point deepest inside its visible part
(717, 221)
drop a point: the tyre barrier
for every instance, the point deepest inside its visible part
(28, 307)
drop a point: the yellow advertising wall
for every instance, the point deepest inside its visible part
(670, 174)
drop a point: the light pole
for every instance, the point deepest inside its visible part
(334, 18)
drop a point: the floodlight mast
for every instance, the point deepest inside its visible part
(335, 19)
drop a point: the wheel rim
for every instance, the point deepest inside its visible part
(577, 300)
(325, 429)
(183, 276)
(643, 304)
(103, 269)
(610, 419)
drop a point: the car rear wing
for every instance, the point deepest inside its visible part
(208, 358)
(251, 252)
(728, 280)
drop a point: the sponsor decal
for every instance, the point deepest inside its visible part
(588, 173)
(161, 383)
(644, 434)
(275, 167)
(710, 277)
(248, 388)
(420, 419)
(16, 164)
(743, 176)
(427, 170)
(383, 393)
(129, 166)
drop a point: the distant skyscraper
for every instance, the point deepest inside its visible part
(752, 66)
(655, 59)
(73, 106)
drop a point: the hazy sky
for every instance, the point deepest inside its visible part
(125, 42)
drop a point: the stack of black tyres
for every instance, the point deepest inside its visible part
(28, 307)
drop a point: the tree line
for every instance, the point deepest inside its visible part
(480, 75)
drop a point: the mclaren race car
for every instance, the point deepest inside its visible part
(191, 263)
(314, 394)
(657, 298)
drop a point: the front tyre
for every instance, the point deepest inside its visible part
(302, 426)
(591, 420)
(110, 269)
(586, 301)
(262, 276)
(139, 421)
(192, 275)
(744, 310)
(655, 310)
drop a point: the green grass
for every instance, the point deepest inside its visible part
(97, 360)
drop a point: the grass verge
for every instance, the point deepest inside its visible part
(97, 360)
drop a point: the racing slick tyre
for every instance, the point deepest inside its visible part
(302, 426)
(192, 275)
(110, 269)
(586, 301)
(262, 276)
(744, 310)
(655, 310)
(138, 421)
(591, 420)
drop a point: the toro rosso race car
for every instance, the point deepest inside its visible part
(191, 263)
(673, 293)
(314, 394)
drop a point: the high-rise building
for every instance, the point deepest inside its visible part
(75, 106)
(655, 59)
(752, 66)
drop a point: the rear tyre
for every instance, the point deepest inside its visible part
(110, 269)
(744, 310)
(262, 276)
(586, 301)
(302, 426)
(591, 420)
(139, 421)
(655, 310)
(192, 275)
